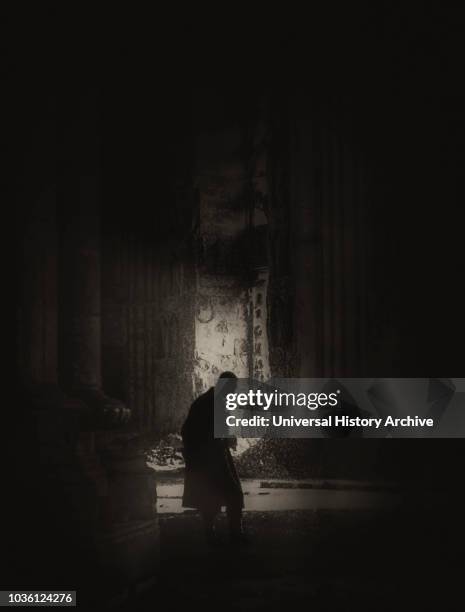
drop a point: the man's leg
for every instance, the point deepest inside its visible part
(208, 517)
(234, 514)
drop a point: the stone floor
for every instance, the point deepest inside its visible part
(320, 559)
(280, 495)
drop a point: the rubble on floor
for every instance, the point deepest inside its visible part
(167, 455)
(271, 458)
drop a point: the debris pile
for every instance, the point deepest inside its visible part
(273, 458)
(254, 458)
(167, 455)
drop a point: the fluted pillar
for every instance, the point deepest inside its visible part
(80, 361)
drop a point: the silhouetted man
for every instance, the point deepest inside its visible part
(211, 480)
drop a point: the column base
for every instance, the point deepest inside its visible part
(103, 412)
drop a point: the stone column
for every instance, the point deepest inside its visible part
(38, 299)
(37, 253)
(80, 361)
(37, 277)
(307, 248)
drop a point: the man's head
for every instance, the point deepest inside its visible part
(227, 382)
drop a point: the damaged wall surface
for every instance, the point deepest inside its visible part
(227, 277)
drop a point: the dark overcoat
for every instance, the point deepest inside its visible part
(211, 480)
